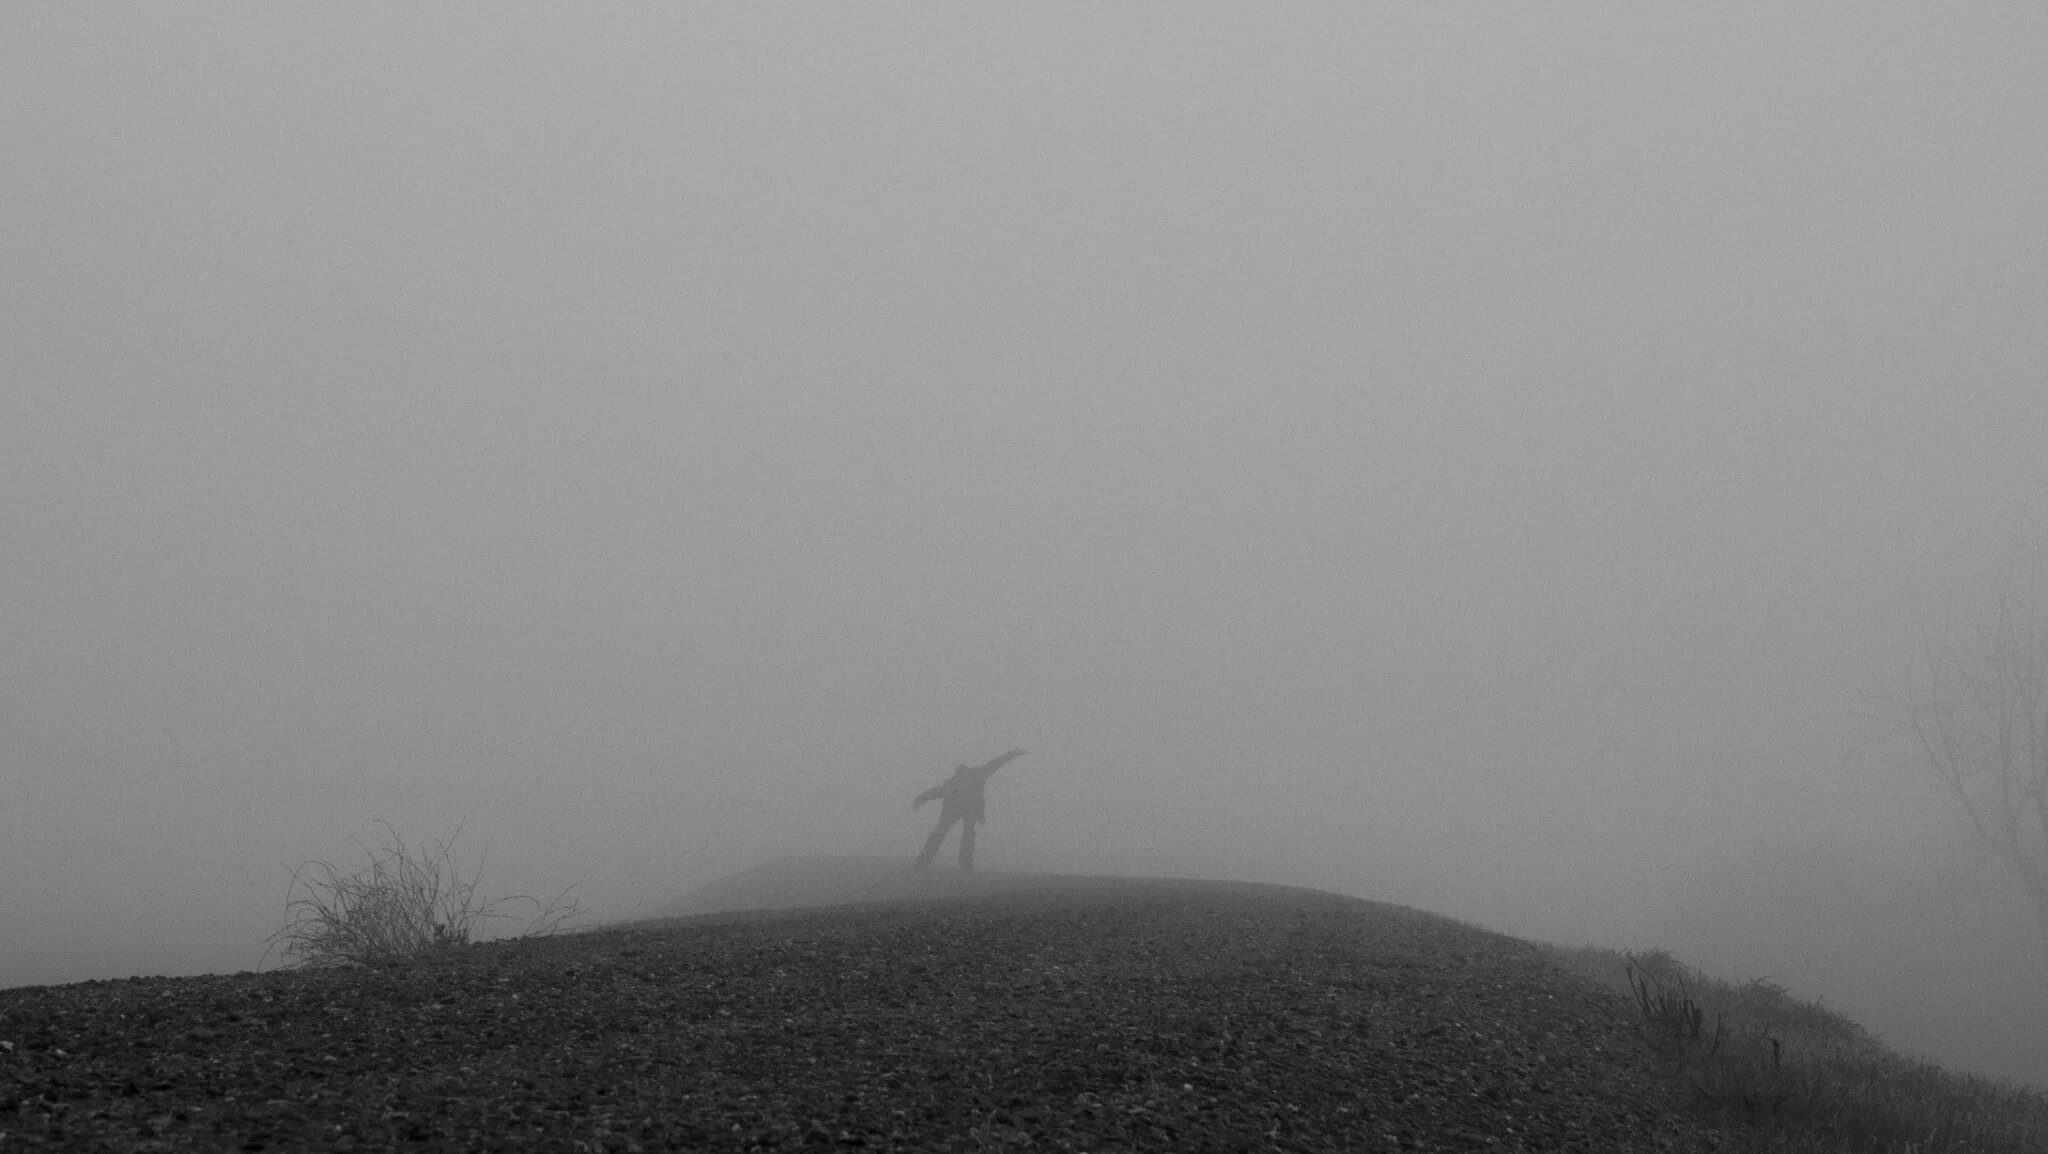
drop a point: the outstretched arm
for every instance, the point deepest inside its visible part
(987, 768)
(931, 794)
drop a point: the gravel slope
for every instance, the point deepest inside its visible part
(1087, 1014)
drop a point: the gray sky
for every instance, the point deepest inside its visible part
(1450, 456)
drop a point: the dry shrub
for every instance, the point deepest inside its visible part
(403, 904)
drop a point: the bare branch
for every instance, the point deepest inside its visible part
(1973, 703)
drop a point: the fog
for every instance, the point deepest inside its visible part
(1466, 458)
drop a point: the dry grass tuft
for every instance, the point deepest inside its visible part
(1786, 1074)
(403, 904)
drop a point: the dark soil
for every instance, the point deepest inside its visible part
(1088, 1015)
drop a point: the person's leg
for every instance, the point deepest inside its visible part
(967, 846)
(932, 843)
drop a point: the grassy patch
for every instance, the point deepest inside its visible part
(1785, 1074)
(402, 904)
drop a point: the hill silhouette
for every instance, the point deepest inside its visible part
(852, 1002)
(895, 1012)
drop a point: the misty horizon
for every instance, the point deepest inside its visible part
(1463, 459)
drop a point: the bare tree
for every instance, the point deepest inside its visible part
(1973, 703)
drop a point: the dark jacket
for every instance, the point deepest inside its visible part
(961, 795)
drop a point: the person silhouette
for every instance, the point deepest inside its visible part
(961, 799)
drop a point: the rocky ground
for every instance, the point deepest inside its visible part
(1088, 1015)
